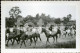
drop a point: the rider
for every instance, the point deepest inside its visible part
(50, 29)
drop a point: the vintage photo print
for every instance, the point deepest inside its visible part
(39, 26)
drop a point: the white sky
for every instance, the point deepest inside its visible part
(54, 10)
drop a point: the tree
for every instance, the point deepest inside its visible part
(10, 22)
(57, 20)
(14, 11)
(69, 17)
(64, 20)
(42, 16)
(37, 15)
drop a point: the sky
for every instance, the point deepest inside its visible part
(54, 10)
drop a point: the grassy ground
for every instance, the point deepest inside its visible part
(69, 44)
(63, 42)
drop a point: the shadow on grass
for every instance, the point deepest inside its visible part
(69, 44)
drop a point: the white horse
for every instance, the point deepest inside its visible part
(68, 32)
(73, 31)
(39, 30)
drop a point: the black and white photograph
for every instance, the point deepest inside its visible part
(39, 25)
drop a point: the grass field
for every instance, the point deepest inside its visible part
(62, 42)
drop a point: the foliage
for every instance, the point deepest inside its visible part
(10, 22)
(14, 11)
(67, 19)
(14, 15)
(57, 21)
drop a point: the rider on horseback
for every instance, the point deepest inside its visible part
(50, 29)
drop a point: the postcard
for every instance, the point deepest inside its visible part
(41, 26)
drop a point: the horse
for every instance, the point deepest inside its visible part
(13, 35)
(9, 35)
(70, 31)
(73, 30)
(18, 34)
(65, 31)
(29, 35)
(48, 35)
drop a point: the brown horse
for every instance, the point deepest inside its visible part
(32, 37)
(48, 35)
(13, 36)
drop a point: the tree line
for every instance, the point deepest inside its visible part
(14, 15)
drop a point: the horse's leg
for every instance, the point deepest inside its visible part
(7, 42)
(24, 43)
(56, 38)
(74, 33)
(59, 35)
(13, 41)
(40, 38)
(47, 41)
(30, 41)
(68, 34)
(35, 40)
(21, 43)
(53, 39)
(17, 40)
(26, 39)
(65, 34)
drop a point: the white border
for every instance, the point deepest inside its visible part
(3, 50)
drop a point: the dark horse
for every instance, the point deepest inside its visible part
(13, 36)
(32, 37)
(48, 35)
